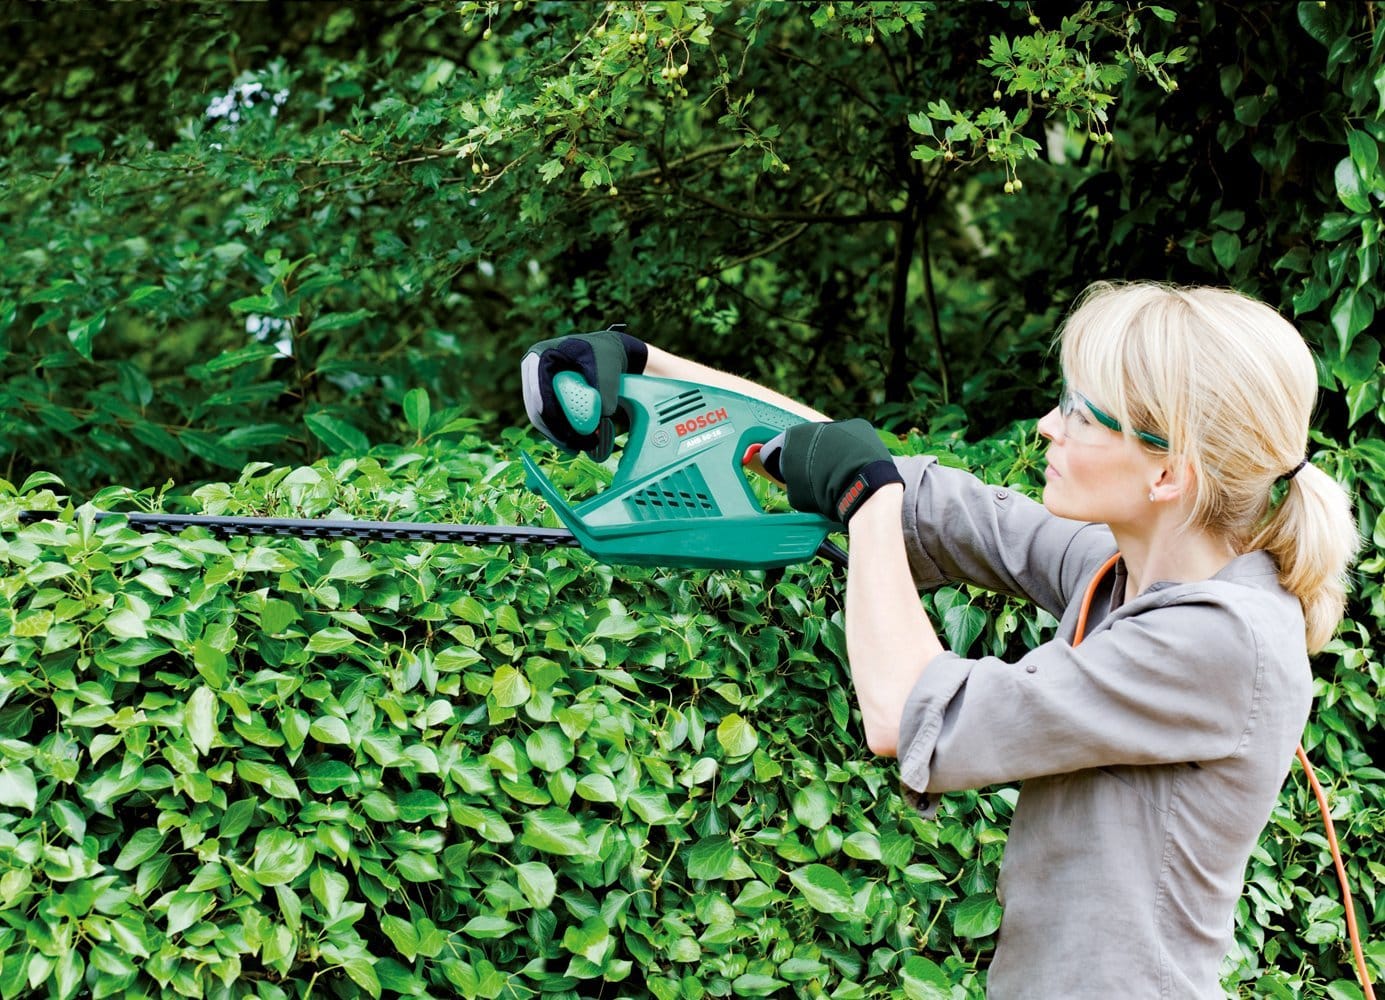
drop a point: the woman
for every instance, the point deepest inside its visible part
(1193, 557)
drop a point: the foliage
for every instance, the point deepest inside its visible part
(264, 233)
(265, 767)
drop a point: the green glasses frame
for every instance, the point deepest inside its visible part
(1068, 401)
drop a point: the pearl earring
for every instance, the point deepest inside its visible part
(1151, 496)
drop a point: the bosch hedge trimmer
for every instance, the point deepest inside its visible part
(679, 496)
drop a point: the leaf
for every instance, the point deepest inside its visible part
(962, 624)
(813, 805)
(553, 831)
(339, 436)
(140, 848)
(401, 934)
(488, 927)
(1226, 247)
(329, 729)
(711, 857)
(417, 410)
(125, 624)
(736, 736)
(826, 891)
(925, 980)
(199, 716)
(280, 857)
(538, 883)
(324, 322)
(17, 787)
(1350, 188)
(976, 916)
(83, 332)
(510, 688)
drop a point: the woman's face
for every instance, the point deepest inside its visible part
(1095, 473)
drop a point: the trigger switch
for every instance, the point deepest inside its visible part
(580, 402)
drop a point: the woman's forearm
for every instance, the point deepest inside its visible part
(889, 639)
(665, 365)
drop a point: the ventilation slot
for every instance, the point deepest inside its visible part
(678, 496)
(680, 406)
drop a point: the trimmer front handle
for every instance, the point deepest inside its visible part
(680, 496)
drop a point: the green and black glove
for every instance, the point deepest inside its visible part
(601, 358)
(830, 468)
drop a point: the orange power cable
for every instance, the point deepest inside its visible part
(1356, 949)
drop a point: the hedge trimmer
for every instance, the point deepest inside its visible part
(679, 496)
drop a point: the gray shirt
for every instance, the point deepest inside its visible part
(1151, 754)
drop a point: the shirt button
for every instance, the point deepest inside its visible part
(1031, 668)
(1002, 494)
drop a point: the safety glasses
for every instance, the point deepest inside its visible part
(1074, 408)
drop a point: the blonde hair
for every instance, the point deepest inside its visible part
(1231, 385)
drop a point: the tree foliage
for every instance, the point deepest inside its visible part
(234, 234)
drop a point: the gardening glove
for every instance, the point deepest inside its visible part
(830, 468)
(600, 358)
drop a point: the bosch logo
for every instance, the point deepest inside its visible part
(700, 422)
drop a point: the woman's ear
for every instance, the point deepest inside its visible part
(1174, 479)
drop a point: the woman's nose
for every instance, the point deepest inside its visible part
(1051, 424)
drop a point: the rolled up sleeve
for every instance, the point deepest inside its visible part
(957, 528)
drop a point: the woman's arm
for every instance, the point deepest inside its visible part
(665, 365)
(889, 639)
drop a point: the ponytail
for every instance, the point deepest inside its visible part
(1313, 538)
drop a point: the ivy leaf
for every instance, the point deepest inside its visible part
(736, 736)
(924, 979)
(962, 624)
(140, 848)
(976, 916)
(199, 716)
(17, 787)
(826, 891)
(538, 883)
(401, 934)
(553, 831)
(711, 857)
(510, 688)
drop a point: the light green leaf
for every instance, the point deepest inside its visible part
(280, 857)
(976, 916)
(737, 736)
(553, 831)
(711, 857)
(924, 979)
(488, 927)
(17, 787)
(125, 624)
(330, 729)
(538, 883)
(510, 688)
(199, 716)
(139, 848)
(402, 934)
(417, 410)
(826, 891)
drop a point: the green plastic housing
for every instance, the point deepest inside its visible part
(680, 496)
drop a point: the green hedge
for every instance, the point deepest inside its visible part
(282, 768)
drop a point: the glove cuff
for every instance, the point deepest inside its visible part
(864, 485)
(636, 354)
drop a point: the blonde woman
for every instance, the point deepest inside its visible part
(1194, 558)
